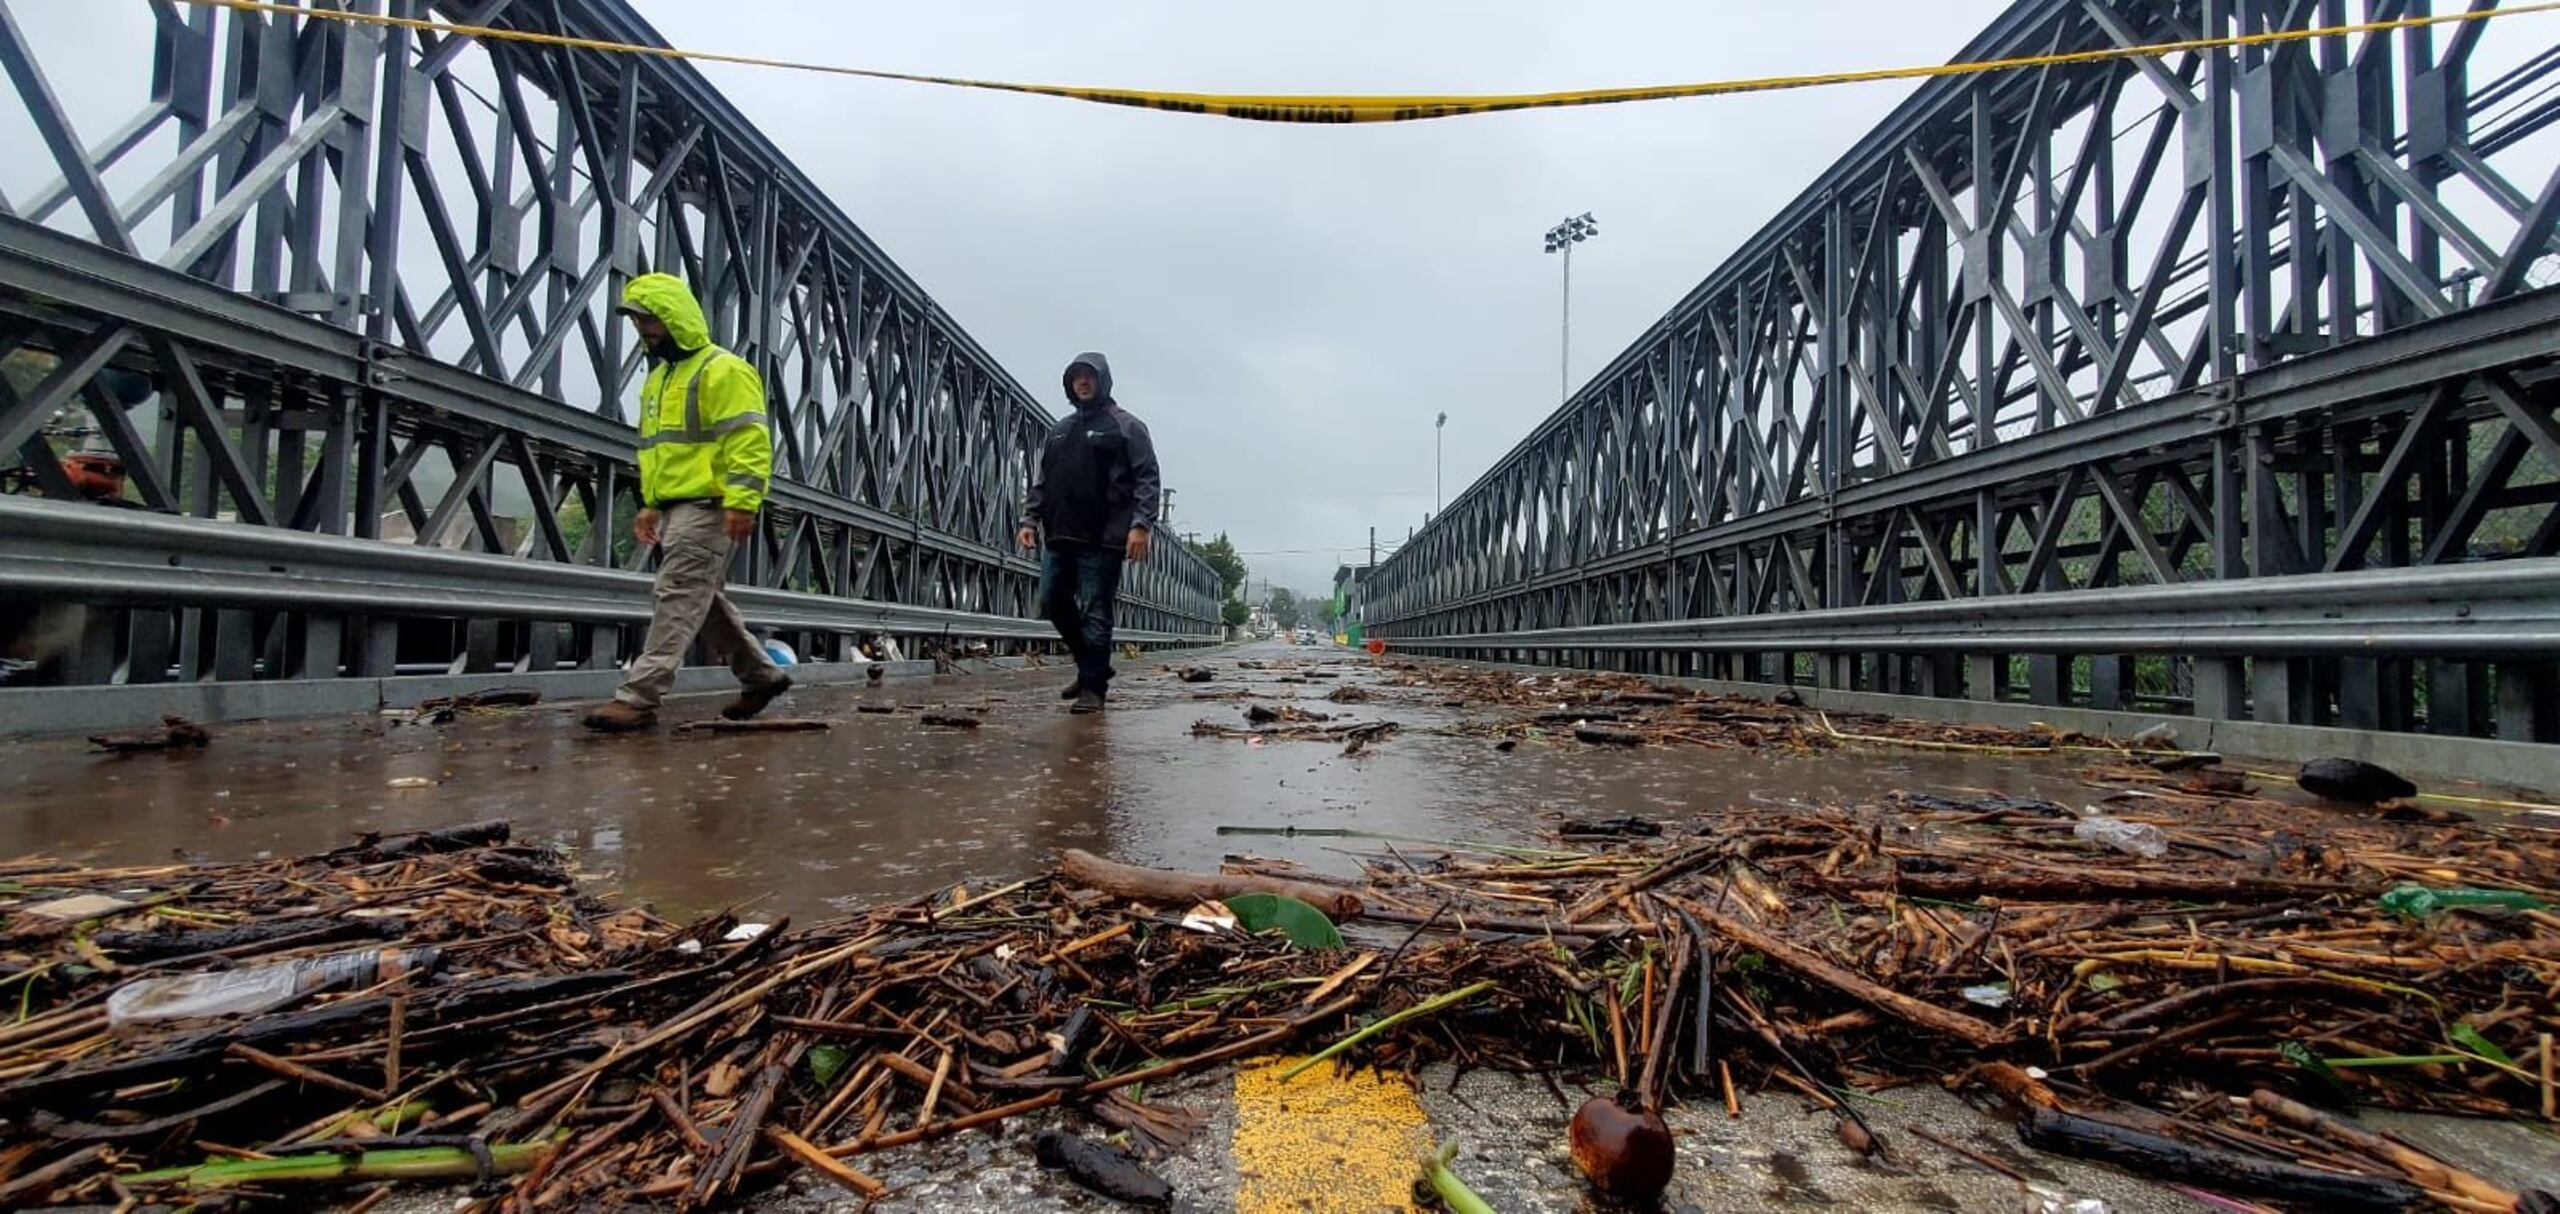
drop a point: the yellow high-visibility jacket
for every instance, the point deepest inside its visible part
(703, 435)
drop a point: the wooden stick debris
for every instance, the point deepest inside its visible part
(300, 1073)
(1968, 1029)
(863, 1186)
(1163, 885)
(2427, 1170)
(977, 1120)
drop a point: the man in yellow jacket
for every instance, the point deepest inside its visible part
(706, 459)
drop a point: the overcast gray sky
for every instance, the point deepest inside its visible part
(1289, 306)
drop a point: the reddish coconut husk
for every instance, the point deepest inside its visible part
(1622, 1146)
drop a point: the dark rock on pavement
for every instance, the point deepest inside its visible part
(2354, 781)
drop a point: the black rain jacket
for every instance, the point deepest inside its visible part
(1095, 477)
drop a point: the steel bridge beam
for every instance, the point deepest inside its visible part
(340, 280)
(2047, 338)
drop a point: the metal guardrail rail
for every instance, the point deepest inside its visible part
(345, 281)
(72, 552)
(2506, 609)
(2049, 350)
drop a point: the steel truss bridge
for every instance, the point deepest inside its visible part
(2220, 383)
(339, 297)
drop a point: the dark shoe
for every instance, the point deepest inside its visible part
(1087, 701)
(1073, 690)
(751, 700)
(618, 717)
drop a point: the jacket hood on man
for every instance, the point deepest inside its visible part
(666, 297)
(1101, 368)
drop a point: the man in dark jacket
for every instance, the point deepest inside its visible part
(1094, 494)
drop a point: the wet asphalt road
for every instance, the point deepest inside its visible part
(883, 806)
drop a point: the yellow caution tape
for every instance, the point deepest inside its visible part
(1371, 108)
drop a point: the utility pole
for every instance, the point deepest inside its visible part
(1373, 547)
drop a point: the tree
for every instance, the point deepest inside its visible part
(1332, 613)
(1284, 607)
(1220, 553)
(1235, 613)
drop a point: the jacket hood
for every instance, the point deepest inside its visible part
(1101, 373)
(666, 297)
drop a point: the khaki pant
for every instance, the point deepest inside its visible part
(693, 563)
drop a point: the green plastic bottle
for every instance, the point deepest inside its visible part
(2411, 901)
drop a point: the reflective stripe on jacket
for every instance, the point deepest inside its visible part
(703, 433)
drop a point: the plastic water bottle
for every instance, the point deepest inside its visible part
(250, 992)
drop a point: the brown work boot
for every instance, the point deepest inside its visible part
(751, 700)
(1087, 701)
(1073, 689)
(618, 717)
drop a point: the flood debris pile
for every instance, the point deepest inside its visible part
(1613, 710)
(451, 1007)
(2191, 977)
(1628, 710)
(175, 733)
(1292, 725)
(447, 1007)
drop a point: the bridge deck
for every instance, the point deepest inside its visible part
(882, 807)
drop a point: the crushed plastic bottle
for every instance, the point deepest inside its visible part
(2133, 838)
(2413, 901)
(1993, 994)
(249, 992)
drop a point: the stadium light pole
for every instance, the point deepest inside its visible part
(1561, 239)
(1437, 428)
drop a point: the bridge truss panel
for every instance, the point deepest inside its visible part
(358, 281)
(2049, 336)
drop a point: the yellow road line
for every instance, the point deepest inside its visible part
(1328, 108)
(1325, 1143)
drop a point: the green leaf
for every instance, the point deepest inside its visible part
(2300, 1055)
(827, 1061)
(1304, 925)
(2470, 1039)
(2102, 982)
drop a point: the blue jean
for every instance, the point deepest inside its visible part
(1079, 588)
